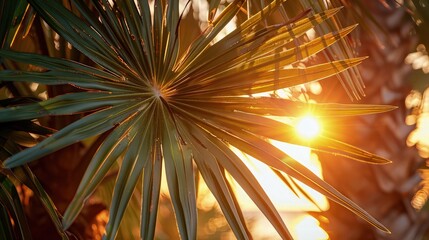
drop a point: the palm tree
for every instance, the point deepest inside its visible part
(386, 192)
(152, 103)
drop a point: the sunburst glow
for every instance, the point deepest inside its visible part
(308, 127)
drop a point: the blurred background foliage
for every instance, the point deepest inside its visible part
(395, 39)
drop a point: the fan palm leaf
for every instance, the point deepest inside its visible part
(181, 109)
(17, 135)
(13, 137)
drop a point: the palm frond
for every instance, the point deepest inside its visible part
(15, 136)
(12, 15)
(11, 208)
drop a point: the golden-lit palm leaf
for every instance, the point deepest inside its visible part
(14, 15)
(179, 111)
(351, 79)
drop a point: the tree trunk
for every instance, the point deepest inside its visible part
(385, 191)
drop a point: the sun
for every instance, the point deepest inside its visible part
(308, 127)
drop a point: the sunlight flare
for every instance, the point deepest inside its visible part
(309, 228)
(308, 127)
(290, 205)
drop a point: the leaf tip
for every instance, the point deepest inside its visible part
(378, 160)
(357, 60)
(10, 163)
(384, 161)
(345, 31)
(383, 229)
(335, 10)
(6, 164)
(388, 108)
(66, 223)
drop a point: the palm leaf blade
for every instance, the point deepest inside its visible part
(273, 157)
(9, 199)
(245, 178)
(74, 30)
(110, 150)
(216, 182)
(180, 179)
(76, 131)
(151, 192)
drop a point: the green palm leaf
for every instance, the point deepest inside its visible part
(182, 109)
(11, 14)
(13, 137)
(151, 192)
(9, 200)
